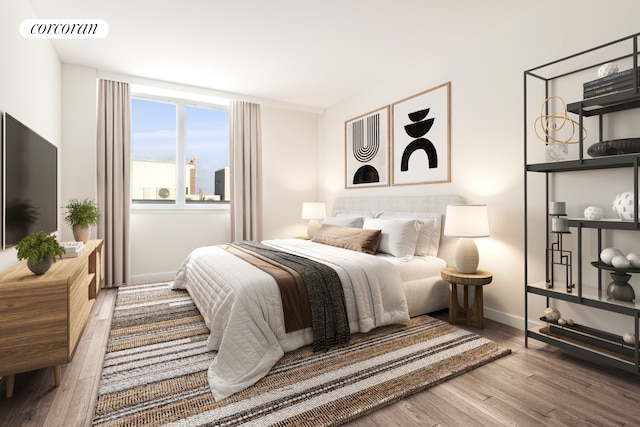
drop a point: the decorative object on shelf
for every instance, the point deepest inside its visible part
(40, 250)
(634, 259)
(569, 322)
(557, 208)
(313, 211)
(560, 225)
(607, 254)
(623, 206)
(607, 69)
(552, 314)
(614, 147)
(421, 149)
(620, 289)
(466, 222)
(557, 127)
(556, 256)
(629, 338)
(81, 215)
(367, 149)
(620, 261)
(593, 213)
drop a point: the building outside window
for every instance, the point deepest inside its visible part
(180, 154)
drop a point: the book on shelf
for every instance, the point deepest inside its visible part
(618, 82)
(72, 249)
(608, 90)
(611, 77)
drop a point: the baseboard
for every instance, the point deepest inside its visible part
(507, 319)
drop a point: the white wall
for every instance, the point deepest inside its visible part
(289, 169)
(486, 75)
(30, 87)
(79, 149)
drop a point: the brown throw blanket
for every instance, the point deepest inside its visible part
(312, 293)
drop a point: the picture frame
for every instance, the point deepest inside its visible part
(421, 144)
(367, 149)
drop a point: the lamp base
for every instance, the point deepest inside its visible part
(467, 256)
(312, 228)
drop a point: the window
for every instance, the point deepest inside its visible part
(180, 154)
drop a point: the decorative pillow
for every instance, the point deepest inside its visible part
(355, 239)
(430, 229)
(344, 221)
(399, 236)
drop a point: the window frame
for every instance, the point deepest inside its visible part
(180, 204)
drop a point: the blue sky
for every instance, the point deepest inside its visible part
(154, 133)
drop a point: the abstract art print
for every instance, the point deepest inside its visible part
(421, 137)
(367, 149)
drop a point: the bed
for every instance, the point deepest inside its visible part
(242, 303)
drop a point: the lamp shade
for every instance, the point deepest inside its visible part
(466, 221)
(313, 210)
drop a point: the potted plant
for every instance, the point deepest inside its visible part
(81, 215)
(40, 249)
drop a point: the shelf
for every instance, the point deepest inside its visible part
(589, 292)
(603, 341)
(589, 351)
(605, 223)
(605, 162)
(606, 104)
(590, 297)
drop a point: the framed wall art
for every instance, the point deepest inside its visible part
(367, 149)
(421, 137)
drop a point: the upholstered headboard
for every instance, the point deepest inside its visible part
(436, 204)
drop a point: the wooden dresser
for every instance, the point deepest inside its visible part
(42, 317)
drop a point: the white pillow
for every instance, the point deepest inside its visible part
(399, 236)
(344, 221)
(430, 229)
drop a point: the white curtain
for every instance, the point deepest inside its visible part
(245, 154)
(114, 172)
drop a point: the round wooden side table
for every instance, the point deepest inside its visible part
(474, 315)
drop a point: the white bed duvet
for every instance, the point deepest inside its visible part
(242, 308)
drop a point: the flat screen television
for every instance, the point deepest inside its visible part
(30, 182)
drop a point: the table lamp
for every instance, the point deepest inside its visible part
(313, 211)
(466, 222)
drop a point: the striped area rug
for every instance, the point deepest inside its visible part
(155, 369)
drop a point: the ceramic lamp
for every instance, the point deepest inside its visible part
(313, 211)
(466, 222)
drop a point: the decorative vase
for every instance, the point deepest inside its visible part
(594, 213)
(40, 267)
(623, 206)
(81, 233)
(620, 289)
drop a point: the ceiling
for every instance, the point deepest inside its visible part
(302, 52)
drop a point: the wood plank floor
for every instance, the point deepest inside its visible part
(534, 386)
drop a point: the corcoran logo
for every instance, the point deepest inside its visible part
(64, 28)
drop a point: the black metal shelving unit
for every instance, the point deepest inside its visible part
(585, 341)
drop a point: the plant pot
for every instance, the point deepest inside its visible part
(81, 233)
(40, 267)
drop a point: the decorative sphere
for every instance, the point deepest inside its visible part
(629, 338)
(607, 254)
(570, 322)
(634, 259)
(593, 213)
(623, 205)
(562, 321)
(551, 313)
(620, 261)
(607, 69)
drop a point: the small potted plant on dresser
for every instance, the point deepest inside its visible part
(81, 215)
(40, 250)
